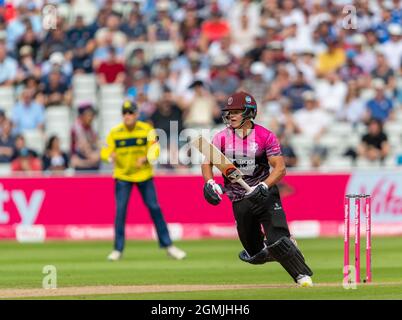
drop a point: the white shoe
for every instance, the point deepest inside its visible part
(175, 253)
(114, 255)
(304, 281)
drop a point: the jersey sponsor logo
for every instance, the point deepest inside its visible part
(131, 142)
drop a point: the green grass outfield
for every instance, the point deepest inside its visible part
(209, 262)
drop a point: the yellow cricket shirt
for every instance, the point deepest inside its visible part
(129, 146)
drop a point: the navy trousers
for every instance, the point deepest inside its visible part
(147, 190)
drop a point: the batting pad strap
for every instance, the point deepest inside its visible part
(289, 256)
(259, 258)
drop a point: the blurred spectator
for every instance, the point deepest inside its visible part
(350, 71)
(392, 49)
(56, 89)
(57, 60)
(331, 93)
(112, 70)
(244, 25)
(168, 118)
(82, 59)
(54, 159)
(24, 159)
(295, 91)
(365, 57)
(84, 141)
(8, 68)
(146, 108)
(332, 59)
(223, 84)
(280, 82)
(55, 41)
(27, 114)
(137, 61)
(7, 142)
(287, 150)
(190, 29)
(102, 51)
(214, 28)
(258, 47)
(112, 29)
(354, 108)
(27, 66)
(256, 84)
(163, 28)
(2, 118)
(193, 70)
(244, 18)
(283, 121)
(168, 115)
(137, 82)
(313, 122)
(30, 39)
(80, 33)
(384, 71)
(135, 29)
(374, 144)
(380, 107)
(201, 109)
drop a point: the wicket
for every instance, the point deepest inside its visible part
(367, 210)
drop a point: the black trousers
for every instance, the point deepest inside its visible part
(255, 221)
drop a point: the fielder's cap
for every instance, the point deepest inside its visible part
(129, 106)
(308, 95)
(240, 101)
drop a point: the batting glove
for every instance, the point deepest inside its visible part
(213, 192)
(259, 193)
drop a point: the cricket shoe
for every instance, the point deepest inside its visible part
(175, 253)
(114, 255)
(304, 281)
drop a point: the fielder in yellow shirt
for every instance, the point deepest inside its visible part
(132, 146)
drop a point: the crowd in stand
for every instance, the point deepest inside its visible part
(308, 63)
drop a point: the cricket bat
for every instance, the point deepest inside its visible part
(220, 161)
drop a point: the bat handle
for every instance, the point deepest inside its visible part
(244, 185)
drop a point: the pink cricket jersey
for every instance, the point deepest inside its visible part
(250, 154)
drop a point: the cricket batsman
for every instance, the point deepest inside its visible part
(132, 146)
(255, 150)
